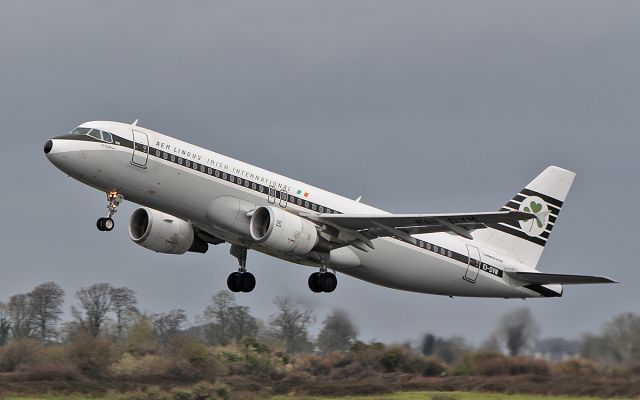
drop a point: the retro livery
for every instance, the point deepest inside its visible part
(193, 198)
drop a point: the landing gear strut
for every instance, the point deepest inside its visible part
(241, 281)
(114, 199)
(323, 281)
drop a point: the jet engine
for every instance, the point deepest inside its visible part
(283, 231)
(164, 233)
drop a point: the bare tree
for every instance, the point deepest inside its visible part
(46, 301)
(619, 342)
(228, 321)
(517, 331)
(291, 322)
(20, 316)
(167, 325)
(123, 305)
(95, 301)
(5, 324)
(338, 332)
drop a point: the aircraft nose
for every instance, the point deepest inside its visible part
(48, 146)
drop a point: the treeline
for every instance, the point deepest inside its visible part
(227, 352)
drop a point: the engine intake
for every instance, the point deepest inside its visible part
(164, 233)
(283, 231)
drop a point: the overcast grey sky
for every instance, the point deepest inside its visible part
(471, 99)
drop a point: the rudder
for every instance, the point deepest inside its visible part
(525, 240)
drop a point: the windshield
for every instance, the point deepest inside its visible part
(80, 131)
(96, 133)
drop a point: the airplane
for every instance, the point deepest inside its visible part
(192, 198)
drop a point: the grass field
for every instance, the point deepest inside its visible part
(396, 396)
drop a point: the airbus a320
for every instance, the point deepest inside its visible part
(193, 198)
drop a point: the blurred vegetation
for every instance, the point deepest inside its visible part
(110, 349)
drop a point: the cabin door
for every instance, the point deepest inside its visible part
(473, 264)
(140, 149)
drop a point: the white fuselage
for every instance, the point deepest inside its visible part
(162, 176)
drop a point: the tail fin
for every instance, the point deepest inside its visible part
(544, 197)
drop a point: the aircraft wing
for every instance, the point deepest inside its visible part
(564, 279)
(360, 228)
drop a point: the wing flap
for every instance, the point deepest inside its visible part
(563, 279)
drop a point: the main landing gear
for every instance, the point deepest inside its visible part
(241, 281)
(323, 281)
(106, 224)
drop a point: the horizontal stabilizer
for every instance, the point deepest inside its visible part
(563, 279)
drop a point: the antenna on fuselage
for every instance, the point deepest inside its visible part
(135, 123)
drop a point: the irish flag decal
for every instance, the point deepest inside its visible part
(302, 193)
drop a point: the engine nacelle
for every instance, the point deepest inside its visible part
(164, 233)
(283, 231)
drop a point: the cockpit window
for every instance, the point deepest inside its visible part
(106, 136)
(80, 131)
(96, 134)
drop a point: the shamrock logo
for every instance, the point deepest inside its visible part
(534, 205)
(534, 208)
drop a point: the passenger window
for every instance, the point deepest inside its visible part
(209, 171)
(239, 181)
(253, 186)
(306, 204)
(321, 209)
(157, 153)
(95, 133)
(173, 158)
(179, 160)
(187, 163)
(428, 246)
(313, 207)
(217, 173)
(202, 168)
(165, 155)
(449, 253)
(232, 178)
(299, 202)
(106, 136)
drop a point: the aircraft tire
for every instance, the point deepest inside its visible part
(247, 282)
(108, 224)
(328, 282)
(314, 282)
(232, 282)
(100, 224)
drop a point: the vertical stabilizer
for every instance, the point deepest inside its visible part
(525, 240)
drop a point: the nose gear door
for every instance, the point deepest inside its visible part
(140, 149)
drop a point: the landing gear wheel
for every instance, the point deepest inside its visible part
(328, 282)
(108, 224)
(105, 224)
(314, 282)
(247, 282)
(232, 282)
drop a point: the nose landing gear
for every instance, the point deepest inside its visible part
(107, 224)
(241, 281)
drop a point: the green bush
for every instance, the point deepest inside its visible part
(181, 394)
(19, 353)
(203, 391)
(92, 356)
(192, 360)
(395, 359)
